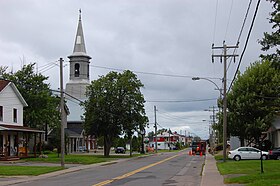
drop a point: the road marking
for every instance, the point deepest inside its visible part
(134, 172)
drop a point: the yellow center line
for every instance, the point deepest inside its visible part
(134, 172)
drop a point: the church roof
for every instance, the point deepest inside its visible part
(75, 109)
(79, 45)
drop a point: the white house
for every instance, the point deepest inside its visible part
(15, 140)
(274, 132)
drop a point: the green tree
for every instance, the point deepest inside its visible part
(253, 101)
(42, 104)
(271, 40)
(115, 107)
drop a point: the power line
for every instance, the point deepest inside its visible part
(246, 43)
(228, 19)
(150, 73)
(215, 22)
(179, 101)
(242, 27)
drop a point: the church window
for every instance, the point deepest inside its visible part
(88, 70)
(77, 70)
(78, 41)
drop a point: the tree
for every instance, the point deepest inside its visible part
(42, 104)
(272, 40)
(115, 106)
(253, 101)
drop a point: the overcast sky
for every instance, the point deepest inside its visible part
(168, 37)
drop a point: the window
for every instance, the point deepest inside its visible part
(1, 113)
(88, 70)
(15, 115)
(77, 70)
(242, 149)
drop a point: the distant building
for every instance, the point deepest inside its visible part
(75, 91)
(165, 141)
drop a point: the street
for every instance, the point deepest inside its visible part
(174, 168)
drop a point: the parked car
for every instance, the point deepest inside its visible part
(120, 150)
(247, 153)
(82, 148)
(274, 154)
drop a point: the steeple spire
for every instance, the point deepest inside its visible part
(79, 46)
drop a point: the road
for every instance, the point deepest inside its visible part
(160, 169)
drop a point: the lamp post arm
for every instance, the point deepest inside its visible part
(198, 78)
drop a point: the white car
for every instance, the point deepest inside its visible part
(247, 153)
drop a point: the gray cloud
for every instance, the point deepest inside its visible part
(159, 36)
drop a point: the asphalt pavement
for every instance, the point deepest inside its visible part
(210, 173)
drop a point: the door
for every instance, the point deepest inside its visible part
(254, 153)
(243, 152)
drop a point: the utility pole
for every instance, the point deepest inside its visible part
(62, 149)
(155, 110)
(212, 117)
(169, 139)
(224, 56)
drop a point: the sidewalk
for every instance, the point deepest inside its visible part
(210, 174)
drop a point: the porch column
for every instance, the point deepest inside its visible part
(26, 142)
(77, 144)
(17, 142)
(6, 145)
(40, 142)
(35, 145)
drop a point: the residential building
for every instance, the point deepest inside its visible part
(165, 141)
(16, 140)
(274, 132)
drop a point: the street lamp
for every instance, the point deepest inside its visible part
(217, 87)
(224, 111)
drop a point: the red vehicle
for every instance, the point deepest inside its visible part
(198, 147)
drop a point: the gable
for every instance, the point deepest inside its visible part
(9, 88)
(276, 122)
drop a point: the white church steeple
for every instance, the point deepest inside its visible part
(79, 65)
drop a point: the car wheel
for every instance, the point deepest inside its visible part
(237, 158)
(264, 157)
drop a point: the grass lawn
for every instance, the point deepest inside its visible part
(26, 170)
(79, 158)
(250, 169)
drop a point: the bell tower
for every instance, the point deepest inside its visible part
(79, 65)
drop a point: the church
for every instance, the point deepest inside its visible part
(75, 94)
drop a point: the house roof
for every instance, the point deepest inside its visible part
(76, 111)
(166, 134)
(74, 132)
(4, 127)
(5, 83)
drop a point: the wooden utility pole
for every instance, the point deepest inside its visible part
(62, 149)
(169, 131)
(155, 110)
(224, 56)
